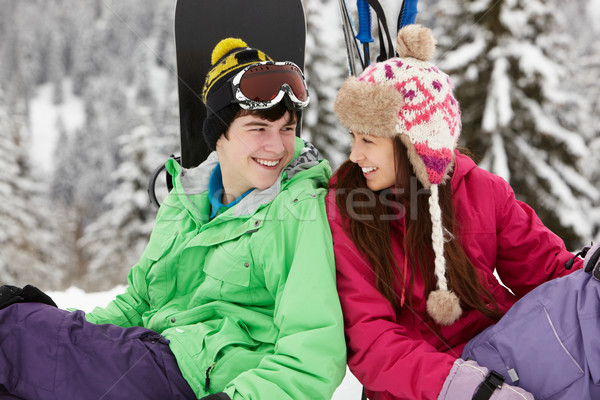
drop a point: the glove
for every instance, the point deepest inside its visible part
(10, 294)
(466, 377)
(217, 396)
(29, 294)
(591, 262)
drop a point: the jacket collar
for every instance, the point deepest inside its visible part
(462, 165)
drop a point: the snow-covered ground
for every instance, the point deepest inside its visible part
(350, 389)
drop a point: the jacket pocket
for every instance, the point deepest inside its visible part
(230, 262)
(528, 350)
(207, 353)
(159, 267)
(229, 341)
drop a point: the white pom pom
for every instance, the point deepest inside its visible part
(444, 307)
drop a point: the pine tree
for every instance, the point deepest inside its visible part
(56, 68)
(115, 241)
(63, 185)
(26, 244)
(508, 62)
(83, 48)
(164, 50)
(586, 57)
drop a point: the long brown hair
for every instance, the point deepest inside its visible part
(370, 230)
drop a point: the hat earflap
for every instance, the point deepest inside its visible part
(442, 304)
(368, 109)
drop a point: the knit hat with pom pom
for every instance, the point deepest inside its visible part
(228, 57)
(409, 97)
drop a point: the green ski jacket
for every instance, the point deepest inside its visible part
(248, 299)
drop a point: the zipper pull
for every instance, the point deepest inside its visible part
(207, 381)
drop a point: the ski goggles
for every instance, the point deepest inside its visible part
(263, 85)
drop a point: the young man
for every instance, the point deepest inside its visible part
(234, 296)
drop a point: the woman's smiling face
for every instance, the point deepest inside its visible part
(375, 156)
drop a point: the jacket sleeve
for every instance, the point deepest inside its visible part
(309, 359)
(125, 310)
(528, 253)
(128, 308)
(381, 353)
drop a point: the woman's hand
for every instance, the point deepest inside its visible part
(591, 262)
(467, 378)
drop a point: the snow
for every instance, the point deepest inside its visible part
(594, 14)
(159, 80)
(350, 389)
(479, 6)
(463, 55)
(500, 158)
(533, 61)
(496, 160)
(45, 117)
(43, 120)
(73, 297)
(572, 140)
(571, 214)
(576, 180)
(498, 111)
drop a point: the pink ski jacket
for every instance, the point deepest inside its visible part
(401, 356)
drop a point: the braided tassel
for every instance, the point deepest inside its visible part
(442, 304)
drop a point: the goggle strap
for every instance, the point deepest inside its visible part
(220, 99)
(224, 96)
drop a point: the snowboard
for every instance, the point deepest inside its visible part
(277, 27)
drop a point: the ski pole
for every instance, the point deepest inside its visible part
(408, 13)
(364, 29)
(352, 50)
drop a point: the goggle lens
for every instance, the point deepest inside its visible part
(263, 82)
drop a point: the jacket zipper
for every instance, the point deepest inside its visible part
(207, 381)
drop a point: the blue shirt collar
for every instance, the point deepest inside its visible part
(215, 192)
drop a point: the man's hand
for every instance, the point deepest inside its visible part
(29, 294)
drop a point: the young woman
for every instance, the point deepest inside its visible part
(418, 232)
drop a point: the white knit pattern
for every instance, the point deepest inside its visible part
(430, 114)
(437, 238)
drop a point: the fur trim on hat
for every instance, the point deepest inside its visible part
(368, 109)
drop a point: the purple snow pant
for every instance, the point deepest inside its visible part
(549, 340)
(48, 353)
